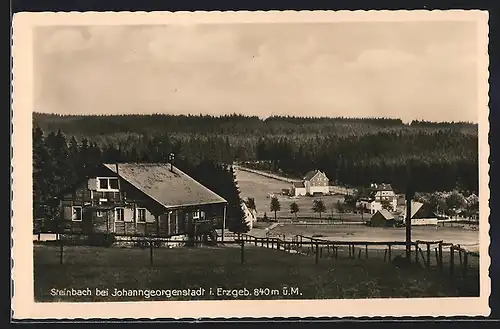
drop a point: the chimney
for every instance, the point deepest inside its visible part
(171, 158)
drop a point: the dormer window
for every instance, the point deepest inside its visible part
(107, 184)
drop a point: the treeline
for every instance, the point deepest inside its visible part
(59, 163)
(354, 152)
(93, 125)
(441, 161)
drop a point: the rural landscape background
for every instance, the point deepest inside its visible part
(247, 109)
(356, 152)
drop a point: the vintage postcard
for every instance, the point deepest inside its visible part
(250, 164)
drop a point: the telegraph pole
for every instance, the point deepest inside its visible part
(410, 193)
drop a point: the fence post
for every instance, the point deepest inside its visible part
(151, 251)
(359, 253)
(385, 254)
(336, 252)
(255, 240)
(428, 255)
(389, 252)
(437, 257)
(366, 251)
(465, 265)
(416, 252)
(460, 255)
(317, 252)
(61, 247)
(440, 251)
(452, 259)
(242, 252)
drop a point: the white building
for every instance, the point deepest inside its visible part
(313, 182)
(376, 196)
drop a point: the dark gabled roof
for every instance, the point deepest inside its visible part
(169, 188)
(386, 214)
(298, 184)
(312, 173)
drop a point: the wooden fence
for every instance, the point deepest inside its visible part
(438, 255)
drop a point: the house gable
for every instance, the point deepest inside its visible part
(316, 176)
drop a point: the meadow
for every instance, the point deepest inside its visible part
(256, 186)
(266, 274)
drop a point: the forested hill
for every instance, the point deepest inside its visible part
(354, 152)
(79, 125)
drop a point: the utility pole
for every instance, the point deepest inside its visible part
(410, 193)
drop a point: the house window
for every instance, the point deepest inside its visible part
(196, 214)
(99, 213)
(76, 214)
(119, 214)
(107, 184)
(141, 215)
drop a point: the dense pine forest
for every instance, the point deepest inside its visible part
(354, 152)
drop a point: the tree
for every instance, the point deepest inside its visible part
(251, 204)
(275, 206)
(456, 200)
(361, 208)
(319, 207)
(340, 208)
(229, 190)
(294, 209)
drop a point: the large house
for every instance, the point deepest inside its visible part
(378, 197)
(314, 182)
(137, 199)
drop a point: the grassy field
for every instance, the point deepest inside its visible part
(219, 267)
(259, 187)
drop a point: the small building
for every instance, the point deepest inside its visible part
(134, 199)
(369, 205)
(377, 197)
(298, 188)
(421, 214)
(383, 218)
(314, 182)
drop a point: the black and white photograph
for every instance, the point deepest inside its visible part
(279, 163)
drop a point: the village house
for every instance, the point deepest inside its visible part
(139, 199)
(378, 197)
(314, 182)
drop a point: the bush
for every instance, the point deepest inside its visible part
(102, 240)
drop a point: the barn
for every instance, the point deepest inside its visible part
(383, 218)
(142, 199)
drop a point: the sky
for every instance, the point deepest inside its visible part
(408, 70)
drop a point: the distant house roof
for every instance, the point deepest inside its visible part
(169, 188)
(298, 184)
(313, 173)
(415, 207)
(386, 214)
